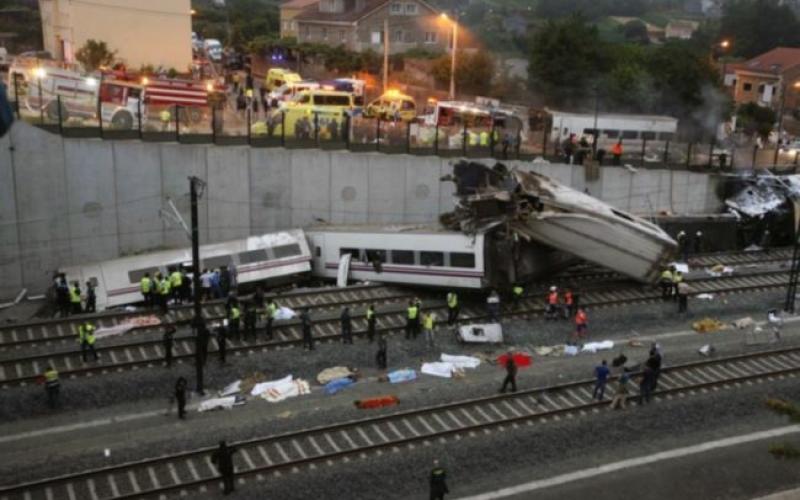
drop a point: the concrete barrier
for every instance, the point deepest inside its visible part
(66, 201)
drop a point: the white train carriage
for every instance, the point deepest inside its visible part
(266, 258)
(411, 255)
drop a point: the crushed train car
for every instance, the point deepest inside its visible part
(533, 207)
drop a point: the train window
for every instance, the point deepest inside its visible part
(431, 259)
(630, 134)
(252, 256)
(217, 262)
(403, 257)
(283, 251)
(611, 134)
(649, 136)
(355, 252)
(466, 260)
(376, 255)
(137, 275)
(666, 136)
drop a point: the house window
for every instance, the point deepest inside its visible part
(294, 25)
(411, 9)
(324, 33)
(761, 89)
(398, 35)
(342, 35)
(747, 87)
(305, 31)
(397, 8)
(430, 37)
(286, 25)
(376, 37)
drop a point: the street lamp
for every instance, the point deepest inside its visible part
(795, 86)
(454, 22)
(723, 47)
(40, 73)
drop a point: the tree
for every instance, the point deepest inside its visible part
(566, 57)
(636, 31)
(95, 54)
(590, 9)
(755, 119)
(758, 26)
(474, 72)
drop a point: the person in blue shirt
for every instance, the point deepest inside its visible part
(601, 373)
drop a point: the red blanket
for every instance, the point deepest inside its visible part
(377, 402)
(520, 358)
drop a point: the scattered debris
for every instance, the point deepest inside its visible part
(225, 403)
(333, 373)
(461, 361)
(719, 270)
(485, 333)
(231, 389)
(126, 326)
(593, 347)
(284, 313)
(708, 325)
(707, 350)
(635, 343)
(571, 350)
(743, 323)
(376, 402)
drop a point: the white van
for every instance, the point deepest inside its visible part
(289, 90)
(213, 48)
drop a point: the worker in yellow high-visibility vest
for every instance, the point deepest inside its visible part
(87, 339)
(452, 308)
(429, 326)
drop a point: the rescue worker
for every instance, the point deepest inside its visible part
(347, 326)
(683, 245)
(222, 341)
(186, 288)
(438, 482)
(168, 340)
(380, 356)
(677, 279)
(91, 298)
(51, 386)
(493, 306)
(271, 310)
(452, 308)
(258, 298)
(249, 320)
(223, 459)
(654, 363)
(511, 373)
(234, 315)
(166, 117)
(621, 394)
(62, 297)
(569, 304)
(683, 296)
(87, 339)
(180, 397)
(601, 373)
(551, 306)
(698, 242)
(429, 326)
(75, 298)
(176, 285)
(517, 291)
(484, 139)
(666, 282)
(616, 152)
(308, 340)
(411, 317)
(581, 323)
(370, 314)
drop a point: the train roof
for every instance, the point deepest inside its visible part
(614, 116)
(382, 229)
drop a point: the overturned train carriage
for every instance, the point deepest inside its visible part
(531, 207)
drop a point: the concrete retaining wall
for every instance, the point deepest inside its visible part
(65, 201)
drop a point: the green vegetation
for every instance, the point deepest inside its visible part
(756, 26)
(21, 18)
(237, 24)
(474, 72)
(752, 118)
(94, 54)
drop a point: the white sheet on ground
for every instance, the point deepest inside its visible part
(681, 266)
(231, 389)
(598, 346)
(262, 387)
(286, 390)
(438, 369)
(461, 361)
(332, 373)
(705, 296)
(404, 375)
(284, 313)
(217, 404)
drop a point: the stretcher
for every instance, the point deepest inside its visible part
(480, 333)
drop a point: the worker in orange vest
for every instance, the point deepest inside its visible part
(551, 311)
(581, 323)
(569, 304)
(616, 152)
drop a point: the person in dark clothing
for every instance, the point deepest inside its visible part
(698, 242)
(308, 340)
(347, 326)
(438, 482)
(646, 385)
(169, 333)
(180, 397)
(601, 373)
(91, 298)
(62, 297)
(222, 344)
(223, 459)
(654, 363)
(249, 321)
(380, 356)
(225, 281)
(371, 322)
(258, 298)
(511, 373)
(270, 317)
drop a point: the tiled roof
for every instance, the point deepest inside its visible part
(775, 61)
(298, 4)
(312, 13)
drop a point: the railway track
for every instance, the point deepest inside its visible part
(24, 370)
(191, 472)
(742, 258)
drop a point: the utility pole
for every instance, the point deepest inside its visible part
(453, 57)
(780, 124)
(385, 55)
(198, 322)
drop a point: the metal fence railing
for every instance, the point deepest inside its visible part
(224, 124)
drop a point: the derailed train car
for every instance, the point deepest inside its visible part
(536, 208)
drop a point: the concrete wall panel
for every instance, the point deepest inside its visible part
(91, 200)
(349, 188)
(137, 169)
(311, 186)
(422, 188)
(387, 200)
(270, 190)
(228, 193)
(178, 163)
(10, 256)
